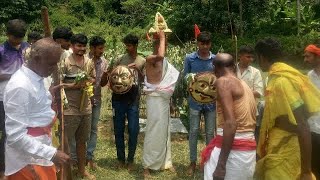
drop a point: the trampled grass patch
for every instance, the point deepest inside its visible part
(106, 158)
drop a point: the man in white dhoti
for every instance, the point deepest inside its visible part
(231, 155)
(160, 81)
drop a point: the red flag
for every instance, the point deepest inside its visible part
(196, 31)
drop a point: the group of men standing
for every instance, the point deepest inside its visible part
(39, 70)
(288, 130)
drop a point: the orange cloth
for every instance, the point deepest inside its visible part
(244, 111)
(313, 49)
(35, 172)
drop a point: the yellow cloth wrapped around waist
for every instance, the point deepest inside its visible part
(55, 134)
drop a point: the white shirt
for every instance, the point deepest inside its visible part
(27, 104)
(315, 78)
(252, 77)
(314, 121)
(2, 86)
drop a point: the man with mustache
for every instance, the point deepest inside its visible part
(197, 62)
(77, 122)
(127, 105)
(312, 58)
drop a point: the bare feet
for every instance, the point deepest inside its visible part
(2, 177)
(87, 175)
(92, 164)
(191, 169)
(121, 165)
(130, 167)
(172, 170)
(146, 174)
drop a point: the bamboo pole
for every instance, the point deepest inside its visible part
(45, 21)
(62, 130)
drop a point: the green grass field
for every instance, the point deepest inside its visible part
(105, 154)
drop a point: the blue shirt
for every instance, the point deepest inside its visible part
(194, 64)
(11, 59)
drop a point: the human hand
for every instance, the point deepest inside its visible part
(219, 173)
(104, 79)
(53, 89)
(189, 77)
(60, 158)
(80, 84)
(132, 65)
(307, 176)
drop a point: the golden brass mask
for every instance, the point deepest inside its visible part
(121, 79)
(202, 89)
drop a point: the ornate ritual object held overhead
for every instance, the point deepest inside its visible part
(159, 24)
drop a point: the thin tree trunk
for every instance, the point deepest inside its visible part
(298, 16)
(241, 17)
(230, 21)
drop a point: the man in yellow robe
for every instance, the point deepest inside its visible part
(284, 145)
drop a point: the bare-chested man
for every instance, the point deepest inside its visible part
(160, 81)
(236, 111)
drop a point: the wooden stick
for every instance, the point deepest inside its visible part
(236, 47)
(45, 21)
(62, 129)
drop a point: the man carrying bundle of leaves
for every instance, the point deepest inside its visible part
(78, 73)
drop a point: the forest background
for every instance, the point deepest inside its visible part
(295, 23)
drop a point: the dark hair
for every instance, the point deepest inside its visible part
(79, 38)
(17, 28)
(62, 33)
(246, 50)
(34, 35)
(220, 62)
(269, 48)
(96, 41)
(204, 37)
(131, 39)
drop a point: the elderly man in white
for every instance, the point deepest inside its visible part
(29, 151)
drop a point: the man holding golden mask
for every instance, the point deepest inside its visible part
(125, 81)
(195, 63)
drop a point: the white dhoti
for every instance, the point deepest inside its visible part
(157, 141)
(240, 164)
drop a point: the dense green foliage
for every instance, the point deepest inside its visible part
(224, 18)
